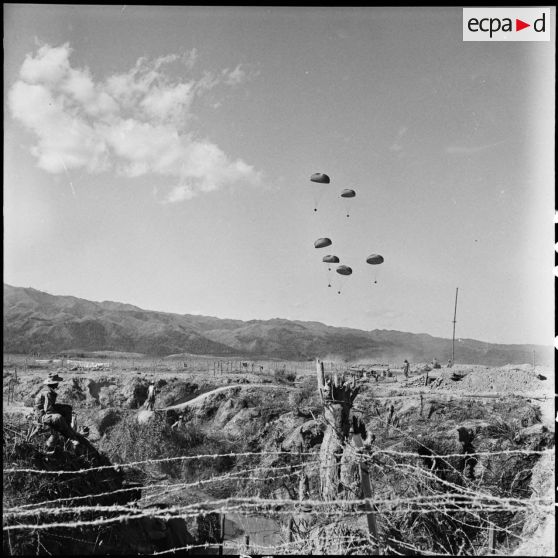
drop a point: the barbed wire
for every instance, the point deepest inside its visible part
(476, 512)
(296, 545)
(323, 540)
(431, 454)
(251, 547)
(233, 476)
(149, 513)
(256, 503)
(471, 489)
(468, 497)
(367, 456)
(180, 485)
(153, 461)
(447, 455)
(467, 494)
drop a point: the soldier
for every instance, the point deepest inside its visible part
(150, 401)
(180, 422)
(74, 423)
(55, 415)
(406, 367)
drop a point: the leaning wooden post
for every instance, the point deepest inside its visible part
(321, 377)
(367, 493)
(491, 540)
(291, 529)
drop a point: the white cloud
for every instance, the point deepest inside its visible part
(236, 76)
(49, 66)
(133, 123)
(64, 142)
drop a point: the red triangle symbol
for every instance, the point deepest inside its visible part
(519, 25)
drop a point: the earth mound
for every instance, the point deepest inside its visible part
(65, 487)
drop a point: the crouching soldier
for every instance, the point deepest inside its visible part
(57, 416)
(179, 423)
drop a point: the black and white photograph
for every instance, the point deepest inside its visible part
(278, 280)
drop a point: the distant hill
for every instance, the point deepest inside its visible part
(35, 321)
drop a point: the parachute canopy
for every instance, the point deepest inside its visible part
(322, 243)
(344, 270)
(348, 193)
(320, 177)
(375, 259)
(330, 259)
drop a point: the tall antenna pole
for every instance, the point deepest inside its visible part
(454, 321)
(533, 359)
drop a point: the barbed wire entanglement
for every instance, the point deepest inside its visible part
(119, 466)
(424, 500)
(466, 504)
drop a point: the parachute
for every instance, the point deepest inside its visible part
(347, 194)
(322, 243)
(318, 179)
(375, 259)
(344, 271)
(329, 259)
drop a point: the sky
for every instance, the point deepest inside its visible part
(161, 156)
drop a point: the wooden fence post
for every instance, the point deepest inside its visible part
(367, 493)
(247, 542)
(222, 534)
(320, 375)
(491, 540)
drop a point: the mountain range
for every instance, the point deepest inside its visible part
(35, 321)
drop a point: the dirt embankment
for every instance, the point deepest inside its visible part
(199, 400)
(105, 487)
(505, 380)
(539, 529)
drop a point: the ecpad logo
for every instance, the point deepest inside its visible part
(506, 24)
